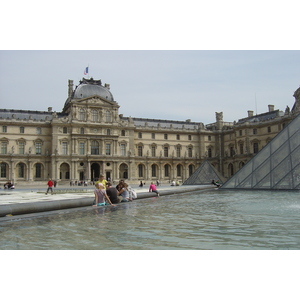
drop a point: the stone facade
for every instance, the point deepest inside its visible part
(89, 137)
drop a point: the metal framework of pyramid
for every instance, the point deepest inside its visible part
(204, 175)
(276, 166)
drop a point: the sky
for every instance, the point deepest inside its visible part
(158, 84)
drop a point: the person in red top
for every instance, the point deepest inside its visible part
(50, 185)
(153, 189)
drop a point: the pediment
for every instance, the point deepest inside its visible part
(96, 100)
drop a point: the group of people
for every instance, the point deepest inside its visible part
(9, 185)
(106, 194)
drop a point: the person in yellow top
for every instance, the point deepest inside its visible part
(101, 180)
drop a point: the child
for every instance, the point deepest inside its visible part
(101, 196)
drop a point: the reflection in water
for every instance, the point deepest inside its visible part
(210, 220)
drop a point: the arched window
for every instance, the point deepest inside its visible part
(3, 170)
(154, 170)
(141, 170)
(209, 152)
(95, 148)
(179, 170)
(38, 170)
(167, 170)
(21, 170)
(191, 170)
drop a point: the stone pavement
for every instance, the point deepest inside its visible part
(31, 199)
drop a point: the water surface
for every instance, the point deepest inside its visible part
(207, 220)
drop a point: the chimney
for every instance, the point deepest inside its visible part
(107, 85)
(250, 113)
(271, 107)
(49, 109)
(70, 91)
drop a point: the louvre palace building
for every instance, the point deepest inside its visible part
(90, 137)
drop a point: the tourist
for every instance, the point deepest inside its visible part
(102, 180)
(50, 186)
(112, 193)
(141, 184)
(120, 184)
(100, 196)
(173, 183)
(124, 193)
(153, 189)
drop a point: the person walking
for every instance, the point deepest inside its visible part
(50, 186)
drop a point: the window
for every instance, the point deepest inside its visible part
(81, 130)
(209, 152)
(153, 151)
(189, 137)
(166, 151)
(254, 130)
(82, 114)
(190, 152)
(153, 136)
(108, 149)
(140, 135)
(94, 115)
(153, 170)
(81, 148)
(65, 130)
(64, 148)
(177, 137)
(3, 147)
(21, 148)
(22, 129)
(4, 129)
(123, 133)
(255, 147)
(108, 116)
(167, 170)
(178, 151)
(38, 171)
(39, 130)
(107, 131)
(95, 148)
(241, 149)
(232, 152)
(209, 138)
(141, 170)
(21, 170)
(123, 149)
(165, 136)
(140, 150)
(38, 148)
(178, 170)
(3, 170)
(269, 129)
(241, 132)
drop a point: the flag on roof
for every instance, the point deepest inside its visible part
(86, 70)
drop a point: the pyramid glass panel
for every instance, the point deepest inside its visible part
(276, 166)
(204, 175)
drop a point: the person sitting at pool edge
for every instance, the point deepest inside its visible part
(100, 196)
(152, 188)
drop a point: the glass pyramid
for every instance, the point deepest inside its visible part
(276, 166)
(204, 175)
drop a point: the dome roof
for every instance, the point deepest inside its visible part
(89, 88)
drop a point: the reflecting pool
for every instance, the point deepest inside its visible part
(206, 220)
